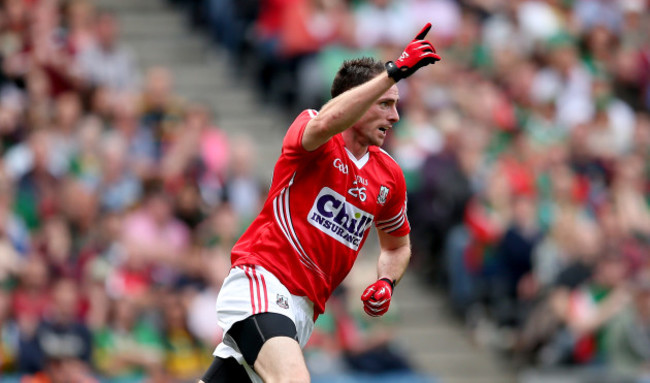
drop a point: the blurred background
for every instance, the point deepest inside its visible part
(137, 140)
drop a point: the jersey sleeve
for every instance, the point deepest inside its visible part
(292, 144)
(393, 218)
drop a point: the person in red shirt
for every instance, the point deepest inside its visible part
(331, 183)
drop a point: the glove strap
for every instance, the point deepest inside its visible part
(390, 281)
(393, 71)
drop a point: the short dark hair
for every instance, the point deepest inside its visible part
(354, 73)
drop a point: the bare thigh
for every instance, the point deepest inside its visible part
(281, 361)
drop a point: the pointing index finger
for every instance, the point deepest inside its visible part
(423, 32)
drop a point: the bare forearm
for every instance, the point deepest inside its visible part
(393, 263)
(393, 259)
(345, 110)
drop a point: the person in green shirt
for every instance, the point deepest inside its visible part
(128, 348)
(628, 337)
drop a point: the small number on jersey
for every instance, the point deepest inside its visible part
(358, 192)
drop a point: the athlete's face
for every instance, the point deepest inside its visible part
(372, 127)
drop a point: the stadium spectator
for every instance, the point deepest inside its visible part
(107, 62)
(306, 28)
(60, 335)
(79, 16)
(388, 13)
(10, 335)
(185, 354)
(243, 190)
(118, 186)
(152, 235)
(128, 346)
(141, 155)
(15, 237)
(202, 148)
(161, 110)
(627, 342)
(214, 265)
(61, 370)
(189, 206)
(31, 297)
(36, 183)
(56, 244)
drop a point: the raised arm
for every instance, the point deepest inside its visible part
(344, 110)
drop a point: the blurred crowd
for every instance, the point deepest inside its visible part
(526, 152)
(119, 202)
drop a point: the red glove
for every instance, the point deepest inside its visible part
(376, 298)
(418, 53)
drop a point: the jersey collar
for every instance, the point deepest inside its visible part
(360, 162)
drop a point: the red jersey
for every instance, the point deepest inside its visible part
(318, 213)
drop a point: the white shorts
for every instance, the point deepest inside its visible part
(250, 290)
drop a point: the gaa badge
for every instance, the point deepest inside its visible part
(383, 193)
(282, 301)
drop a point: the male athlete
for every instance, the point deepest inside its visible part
(331, 183)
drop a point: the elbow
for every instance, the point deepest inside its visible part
(317, 132)
(318, 126)
(330, 122)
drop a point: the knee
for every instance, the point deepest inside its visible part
(298, 378)
(290, 374)
(292, 379)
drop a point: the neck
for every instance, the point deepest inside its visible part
(353, 145)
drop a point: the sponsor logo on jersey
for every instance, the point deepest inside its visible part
(282, 301)
(383, 193)
(341, 220)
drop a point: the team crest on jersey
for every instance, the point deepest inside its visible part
(383, 193)
(282, 301)
(339, 219)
